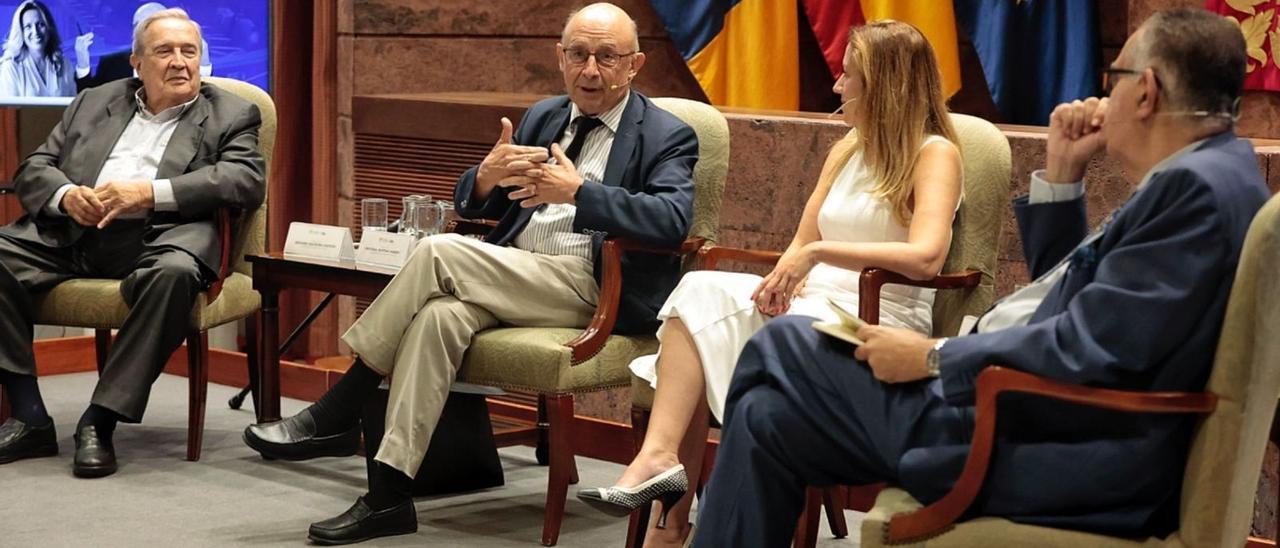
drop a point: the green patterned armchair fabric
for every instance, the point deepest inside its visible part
(96, 303)
(1221, 478)
(536, 359)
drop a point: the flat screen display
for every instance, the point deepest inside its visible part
(44, 42)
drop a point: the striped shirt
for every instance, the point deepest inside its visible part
(550, 230)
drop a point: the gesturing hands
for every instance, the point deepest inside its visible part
(548, 183)
(100, 205)
(1075, 136)
(894, 354)
(507, 159)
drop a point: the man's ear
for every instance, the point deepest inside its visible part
(134, 61)
(560, 56)
(1149, 94)
(637, 61)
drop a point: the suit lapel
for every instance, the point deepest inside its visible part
(554, 128)
(624, 142)
(185, 141)
(100, 142)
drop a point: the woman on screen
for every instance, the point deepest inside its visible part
(32, 64)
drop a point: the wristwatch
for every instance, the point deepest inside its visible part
(933, 361)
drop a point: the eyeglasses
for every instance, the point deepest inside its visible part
(605, 58)
(1111, 74)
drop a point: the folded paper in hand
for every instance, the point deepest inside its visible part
(844, 329)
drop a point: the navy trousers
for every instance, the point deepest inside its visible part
(802, 411)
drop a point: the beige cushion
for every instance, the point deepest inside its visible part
(641, 393)
(1221, 477)
(985, 153)
(537, 359)
(96, 303)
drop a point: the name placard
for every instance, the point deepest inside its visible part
(319, 243)
(384, 251)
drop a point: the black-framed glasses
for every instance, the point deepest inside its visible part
(605, 57)
(1111, 74)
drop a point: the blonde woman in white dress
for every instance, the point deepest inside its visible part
(31, 62)
(886, 198)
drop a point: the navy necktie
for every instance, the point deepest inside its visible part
(582, 127)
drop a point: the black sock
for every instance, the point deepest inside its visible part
(104, 419)
(387, 487)
(339, 409)
(24, 397)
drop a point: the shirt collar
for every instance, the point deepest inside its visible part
(1170, 159)
(164, 116)
(611, 118)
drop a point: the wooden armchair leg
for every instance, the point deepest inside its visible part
(540, 451)
(251, 358)
(101, 346)
(560, 447)
(833, 499)
(807, 529)
(639, 522)
(197, 389)
(6, 410)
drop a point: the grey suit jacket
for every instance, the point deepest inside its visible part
(212, 161)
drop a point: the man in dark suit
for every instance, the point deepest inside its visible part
(1136, 305)
(621, 167)
(127, 187)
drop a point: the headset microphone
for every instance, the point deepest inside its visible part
(616, 86)
(841, 107)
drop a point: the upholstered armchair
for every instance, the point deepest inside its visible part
(97, 304)
(1221, 476)
(556, 363)
(966, 288)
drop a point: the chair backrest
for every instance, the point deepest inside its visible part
(975, 236)
(251, 234)
(713, 162)
(1221, 478)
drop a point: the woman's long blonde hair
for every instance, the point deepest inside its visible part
(14, 46)
(902, 102)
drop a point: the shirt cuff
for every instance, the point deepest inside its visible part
(1043, 191)
(82, 73)
(51, 207)
(162, 193)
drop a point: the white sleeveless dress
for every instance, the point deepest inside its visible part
(718, 310)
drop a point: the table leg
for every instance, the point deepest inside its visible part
(269, 356)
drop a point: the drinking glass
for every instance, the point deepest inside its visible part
(373, 214)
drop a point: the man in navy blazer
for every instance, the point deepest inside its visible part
(1136, 305)
(619, 167)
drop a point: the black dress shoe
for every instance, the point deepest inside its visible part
(360, 523)
(19, 440)
(95, 454)
(295, 438)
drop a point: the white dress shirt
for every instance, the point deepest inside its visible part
(550, 230)
(136, 156)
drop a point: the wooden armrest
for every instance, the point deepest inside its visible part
(7, 187)
(224, 219)
(469, 227)
(592, 339)
(939, 516)
(709, 257)
(872, 279)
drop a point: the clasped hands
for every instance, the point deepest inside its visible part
(100, 205)
(521, 167)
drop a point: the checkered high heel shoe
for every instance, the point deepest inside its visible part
(668, 487)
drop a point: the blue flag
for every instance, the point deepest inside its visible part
(1035, 53)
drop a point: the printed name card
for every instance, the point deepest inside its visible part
(319, 243)
(384, 251)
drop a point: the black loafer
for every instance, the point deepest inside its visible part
(95, 455)
(19, 440)
(360, 523)
(295, 439)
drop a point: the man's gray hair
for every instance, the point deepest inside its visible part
(1199, 58)
(635, 29)
(171, 13)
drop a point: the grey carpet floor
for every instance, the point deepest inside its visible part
(234, 498)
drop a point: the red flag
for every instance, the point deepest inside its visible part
(1258, 21)
(831, 20)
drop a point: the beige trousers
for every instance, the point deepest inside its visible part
(419, 327)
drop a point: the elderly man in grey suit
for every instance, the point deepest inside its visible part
(127, 187)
